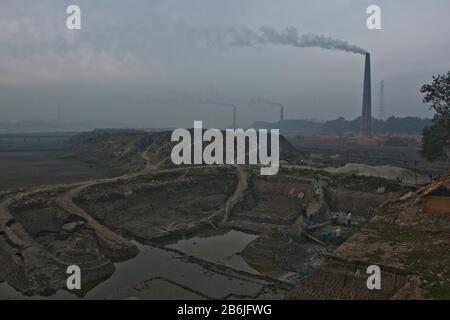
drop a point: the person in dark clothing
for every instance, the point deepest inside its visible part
(349, 219)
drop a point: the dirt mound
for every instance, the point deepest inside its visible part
(275, 250)
(288, 152)
(46, 239)
(131, 150)
(125, 150)
(387, 172)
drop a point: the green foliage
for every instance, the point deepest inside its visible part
(389, 232)
(427, 258)
(437, 96)
(432, 265)
(436, 139)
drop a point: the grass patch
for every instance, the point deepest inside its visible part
(388, 210)
(439, 291)
(433, 266)
(390, 232)
(375, 256)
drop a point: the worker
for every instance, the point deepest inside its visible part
(349, 218)
(317, 194)
(335, 219)
(338, 234)
(317, 183)
(325, 236)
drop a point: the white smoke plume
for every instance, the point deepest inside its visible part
(245, 37)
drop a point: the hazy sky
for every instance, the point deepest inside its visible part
(149, 63)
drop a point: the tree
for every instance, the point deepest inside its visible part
(436, 138)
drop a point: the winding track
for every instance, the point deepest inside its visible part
(114, 246)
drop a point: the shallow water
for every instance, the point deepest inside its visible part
(159, 273)
(219, 247)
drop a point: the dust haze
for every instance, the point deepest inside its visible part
(149, 63)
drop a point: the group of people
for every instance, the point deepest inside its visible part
(310, 221)
(317, 192)
(337, 232)
(348, 218)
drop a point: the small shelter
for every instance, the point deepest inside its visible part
(436, 197)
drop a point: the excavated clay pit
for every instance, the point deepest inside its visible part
(154, 206)
(201, 232)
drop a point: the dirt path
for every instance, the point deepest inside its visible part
(241, 188)
(114, 246)
(317, 208)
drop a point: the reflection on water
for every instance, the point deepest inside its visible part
(181, 279)
(222, 247)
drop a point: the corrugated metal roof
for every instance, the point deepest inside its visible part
(435, 185)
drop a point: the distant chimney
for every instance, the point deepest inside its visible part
(382, 112)
(366, 120)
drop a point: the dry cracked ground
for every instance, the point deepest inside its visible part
(213, 232)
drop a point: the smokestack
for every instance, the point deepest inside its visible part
(382, 114)
(366, 120)
(277, 104)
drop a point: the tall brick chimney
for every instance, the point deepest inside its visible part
(366, 120)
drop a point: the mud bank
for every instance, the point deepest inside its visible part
(157, 273)
(151, 207)
(358, 202)
(276, 254)
(270, 202)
